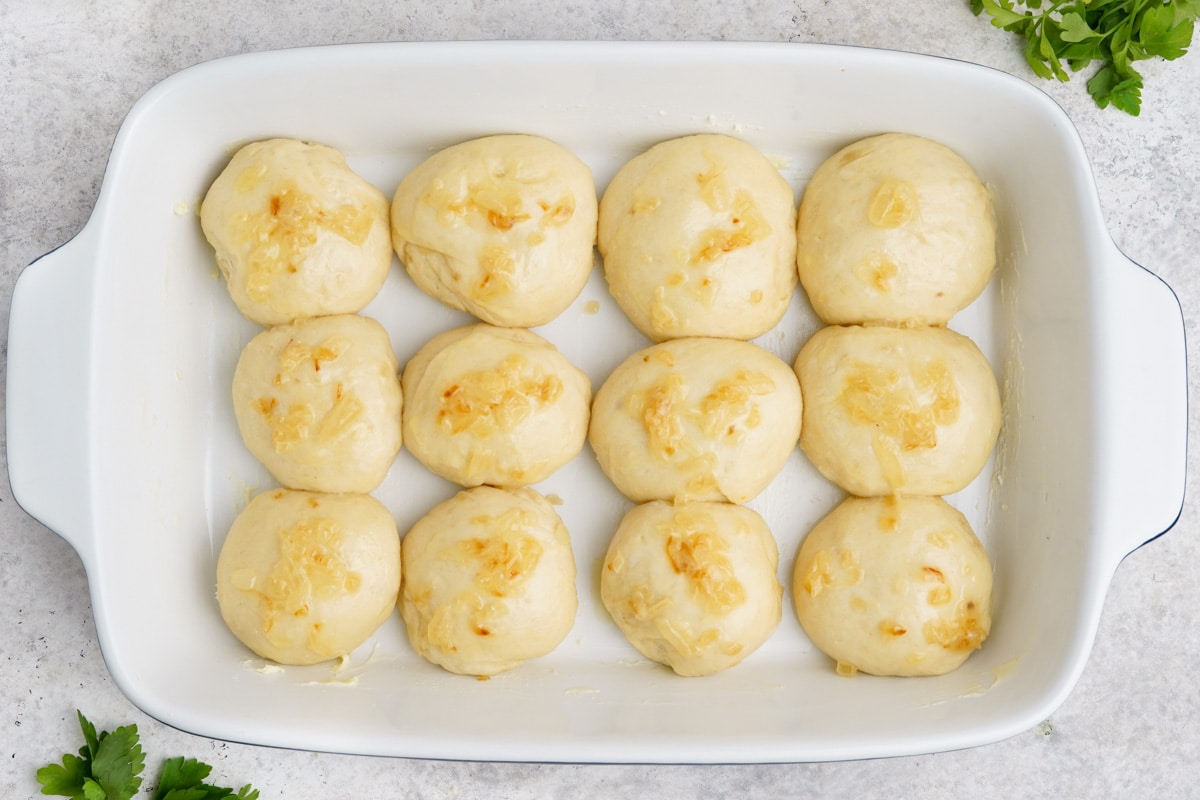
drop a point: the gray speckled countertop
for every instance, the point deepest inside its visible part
(69, 71)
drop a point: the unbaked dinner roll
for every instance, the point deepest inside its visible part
(894, 586)
(501, 227)
(897, 410)
(318, 403)
(895, 228)
(696, 419)
(296, 232)
(698, 239)
(489, 581)
(693, 585)
(305, 577)
(500, 406)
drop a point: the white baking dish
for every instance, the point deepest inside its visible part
(122, 440)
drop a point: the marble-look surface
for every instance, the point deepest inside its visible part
(71, 69)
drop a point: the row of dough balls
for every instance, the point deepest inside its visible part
(501, 227)
(699, 235)
(483, 582)
(899, 410)
(321, 404)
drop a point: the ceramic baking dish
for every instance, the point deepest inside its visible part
(121, 437)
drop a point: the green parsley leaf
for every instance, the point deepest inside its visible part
(1115, 33)
(183, 779)
(109, 766)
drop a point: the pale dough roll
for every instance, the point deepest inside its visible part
(500, 406)
(318, 403)
(693, 586)
(897, 410)
(895, 228)
(894, 586)
(698, 239)
(696, 419)
(489, 581)
(501, 227)
(296, 232)
(305, 577)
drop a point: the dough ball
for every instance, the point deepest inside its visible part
(501, 227)
(895, 228)
(693, 586)
(500, 406)
(489, 581)
(318, 403)
(897, 410)
(296, 232)
(305, 577)
(894, 586)
(696, 419)
(698, 239)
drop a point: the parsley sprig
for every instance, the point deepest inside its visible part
(109, 767)
(1071, 34)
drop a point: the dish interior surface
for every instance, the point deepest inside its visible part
(169, 471)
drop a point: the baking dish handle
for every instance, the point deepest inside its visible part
(48, 382)
(1142, 397)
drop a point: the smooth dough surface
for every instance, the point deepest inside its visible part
(489, 581)
(318, 403)
(305, 577)
(894, 586)
(693, 586)
(500, 406)
(897, 410)
(500, 227)
(696, 419)
(895, 228)
(296, 232)
(698, 239)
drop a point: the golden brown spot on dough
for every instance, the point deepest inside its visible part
(748, 227)
(890, 517)
(499, 273)
(877, 272)
(644, 205)
(313, 502)
(906, 408)
(756, 296)
(296, 354)
(660, 408)
(278, 237)
(496, 400)
(310, 566)
(291, 428)
(731, 401)
(893, 204)
(965, 631)
(495, 199)
(265, 405)
(696, 551)
(507, 556)
(676, 279)
(644, 605)
(824, 572)
(892, 628)
(559, 212)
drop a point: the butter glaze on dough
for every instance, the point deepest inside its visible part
(296, 232)
(696, 419)
(697, 236)
(490, 405)
(318, 403)
(894, 228)
(894, 586)
(693, 585)
(502, 227)
(305, 577)
(489, 581)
